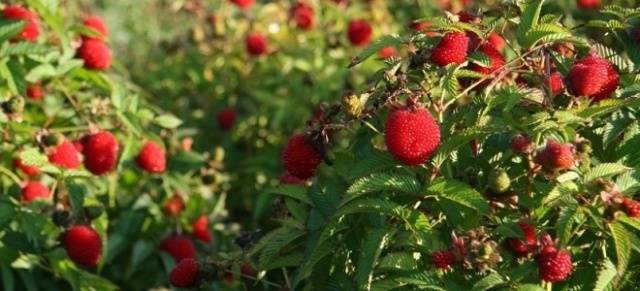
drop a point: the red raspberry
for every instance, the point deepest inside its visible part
(553, 265)
(185, 273)
(34, 91)
(411, 135)
(201, 229)
(256, 44)
(452, 49)
(31, 30)
(179, 247)
(497, 41)
(34, 190)
(95, 54)
(300, 157)
(588, 4)
(303, 16)
(226, 118)
(174, 206)
(65, 155)
(288, 179)
(556, 83)
(359, 32)
(556, 156)
(387, 52)
(248, 270)
(631, 207)
(521, 144)
(152, 158)
(27, 170)
(526, 246)
(100, 152)
(593, 77)
(443, 259)
(497, 60)
(243, 4)
(83, 245)
(96, 24)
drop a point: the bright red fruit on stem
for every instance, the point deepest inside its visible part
(226, 118)
(34, 190)
(526, 246)
(95, 54)
(244, 4)
(151, 158)
(96, 24)
(556, 156)
(256, 44)
(83, 245)
(34, 91)
(201, 229)
(359, 32)
(442, 259)
(553, 265)
(411, 136)
(65, 155)
(174, 206)
(452, 49)
(300, 157)
(303, 16)
(30, 171)
(100, 152)
(594, 77)
(185, 273)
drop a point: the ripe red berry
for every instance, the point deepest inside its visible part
(179, 247)
(96, 24)
(526, 246)
(65, 155)
(256, 44)
(34, 190)
(151, 158)
(185, 273)
(387, 52)
(556, 156)
(226, 118)
(466, 16)
(174, 206)
(593, 77)
(359, 32)
(555, 83)
(411, 135)
(83, 245)
(95, 54)
(303, 15)
(247, 269)
(588, 4)
(26, 169)
(553, 265)
(497, 41)
(34, 91)
(100, 152)
(31, 29)
(631, 207)
(288, 179)
(442, 259)
(243, 4)
(300, 157)
(521, 144)
(201, 229)
(452, 49)
(496, 58)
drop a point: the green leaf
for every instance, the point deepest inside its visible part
(564, 224)
(399, 261)
(397, 183)
(606, 274)
(530, 287)
(387, 40)
(529, 19)
(9, 29)
(414, 220)
(22, 48)
(374, 243)
(622, 242)
(459, 193)
(605, 170)
(488, 282)
(77, 192)
(277, 241)
(167, 121)
(292, 191)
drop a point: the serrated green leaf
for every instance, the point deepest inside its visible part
(167, 121)
(622, 245)
(399, 183)
(374, 243)
(488, 282)
(606, 274)
(529, 19)
(605, 170)
(292, 191)
(459, 193)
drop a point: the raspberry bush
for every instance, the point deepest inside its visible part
(319, 145)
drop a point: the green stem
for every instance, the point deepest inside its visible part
(11, 175)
